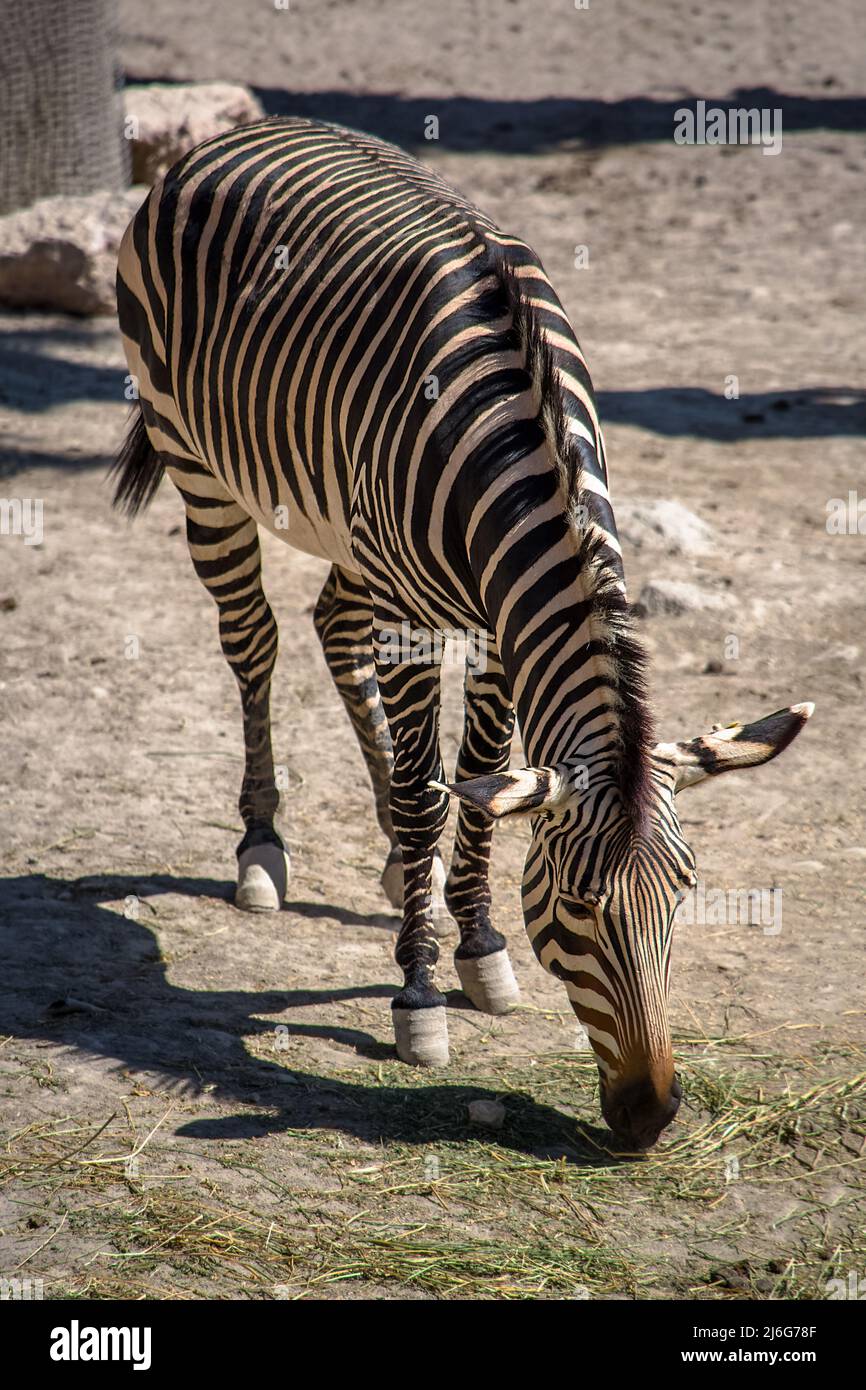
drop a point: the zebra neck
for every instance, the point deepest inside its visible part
(556, 603)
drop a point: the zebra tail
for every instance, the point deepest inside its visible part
(137, 469)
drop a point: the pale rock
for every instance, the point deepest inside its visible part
(664, 523)
(676, 596)
(166, 121)
(842, 652)
(61, 253)
(490, 1113)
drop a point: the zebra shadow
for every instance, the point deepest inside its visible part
(804, 413)
(84, 976)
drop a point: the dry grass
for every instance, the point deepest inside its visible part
(477, 1214)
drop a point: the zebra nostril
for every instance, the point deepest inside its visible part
(637, 1114)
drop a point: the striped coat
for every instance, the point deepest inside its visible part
(334, 345)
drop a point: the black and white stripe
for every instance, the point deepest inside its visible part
(334, 345)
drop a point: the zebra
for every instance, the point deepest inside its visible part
(332, 344)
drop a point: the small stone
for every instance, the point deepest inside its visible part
(676, 596)
(665, 523)
(490, 1113)
(852, 852)
(58, 1008)
(806, 866)
(713, 668)
(730, 1276)
(805, 1154)
(166, 121)
(61, 253)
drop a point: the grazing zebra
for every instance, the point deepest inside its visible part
(333, 344)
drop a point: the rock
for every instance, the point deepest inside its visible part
(59, 1008)
(805, 866)
(61, 253)
(665, 523)
(164, 122)
(841, 652)
(852, 852)
(490, 1113)
(676, 596)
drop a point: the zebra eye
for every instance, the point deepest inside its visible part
(576, 909)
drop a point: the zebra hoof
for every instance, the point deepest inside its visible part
(488, 981)
(263, 877)
(421, 1036)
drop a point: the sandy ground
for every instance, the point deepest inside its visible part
(120, 762)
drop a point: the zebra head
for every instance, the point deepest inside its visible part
(600, 891)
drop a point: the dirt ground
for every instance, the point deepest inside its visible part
(199, 1103)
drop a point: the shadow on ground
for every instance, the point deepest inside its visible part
(528, 127)
(87, 977)
(33, 380)
(688, 410)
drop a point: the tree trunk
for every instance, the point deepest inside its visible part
(61, 118)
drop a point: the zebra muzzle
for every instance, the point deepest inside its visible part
(638, 1110)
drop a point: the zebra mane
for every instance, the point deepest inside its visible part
(612, 620)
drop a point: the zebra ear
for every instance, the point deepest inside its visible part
(525, 791)
(732, 747)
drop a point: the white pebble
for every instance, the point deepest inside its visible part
(487, 1112)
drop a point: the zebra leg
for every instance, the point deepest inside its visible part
(224, 545)
(410, 695)
(343, 619)
(481, 959)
